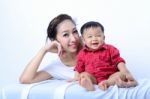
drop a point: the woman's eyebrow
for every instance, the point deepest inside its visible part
(74, 28)
(65, 31)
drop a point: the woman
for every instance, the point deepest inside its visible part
(61, 31)
(65, 41)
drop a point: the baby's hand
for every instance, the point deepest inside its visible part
(126, 80)
(131, 82)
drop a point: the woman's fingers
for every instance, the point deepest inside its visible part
(54, 47)
(59, 49)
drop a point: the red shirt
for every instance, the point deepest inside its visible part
(100, 63)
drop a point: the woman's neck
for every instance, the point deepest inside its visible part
(69, 59)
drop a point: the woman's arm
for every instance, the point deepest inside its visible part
(30, 73)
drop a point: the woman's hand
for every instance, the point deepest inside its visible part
(54, 47)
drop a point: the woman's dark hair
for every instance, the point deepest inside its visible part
(91, 24)
(52, 27)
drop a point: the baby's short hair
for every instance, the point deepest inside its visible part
(91, 24)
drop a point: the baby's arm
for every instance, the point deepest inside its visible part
(76, 76)
(129, 78)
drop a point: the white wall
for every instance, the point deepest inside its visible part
(23, 25)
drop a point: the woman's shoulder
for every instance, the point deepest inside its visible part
(54, 58)
(51, 59)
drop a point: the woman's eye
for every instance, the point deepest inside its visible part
(75, 31)
(65, 34)
(98, 35)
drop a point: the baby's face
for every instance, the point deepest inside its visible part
(93, 37)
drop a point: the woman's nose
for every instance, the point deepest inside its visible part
(72, 38)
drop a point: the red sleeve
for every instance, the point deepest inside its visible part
(115, 56)
(80, 66)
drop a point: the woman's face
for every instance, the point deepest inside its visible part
(67, 36)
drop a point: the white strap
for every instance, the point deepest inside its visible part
(26, 90)
(59, 92)
(3, 94)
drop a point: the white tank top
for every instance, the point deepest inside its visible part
(58, 70)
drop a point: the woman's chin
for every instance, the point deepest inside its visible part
(73, 50)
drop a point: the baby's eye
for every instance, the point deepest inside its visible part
(89, 36)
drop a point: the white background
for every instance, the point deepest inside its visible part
(23, 25)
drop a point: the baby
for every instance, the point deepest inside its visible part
(98, 62)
